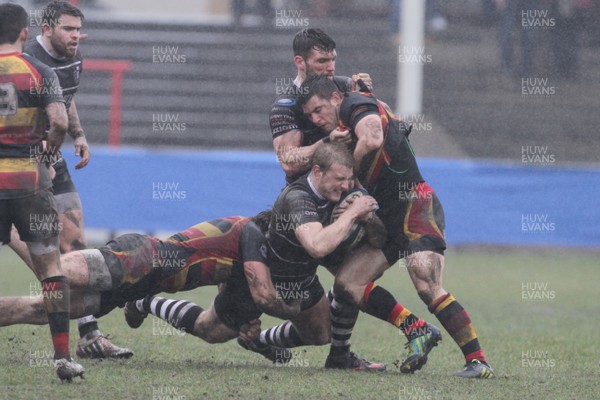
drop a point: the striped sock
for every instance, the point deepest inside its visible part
(381, 304)
(56, 294)
(343, 318)
(457, 322)
(181, 314)
(283, 335)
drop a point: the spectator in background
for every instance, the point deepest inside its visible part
(558, 20)
(565, 37)
(509, 16)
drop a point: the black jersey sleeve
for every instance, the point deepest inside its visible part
(355, 107)
(253, 245)
(49, 89)
(284, 116)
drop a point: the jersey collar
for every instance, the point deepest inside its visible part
(312, 187)
(38, 38)
(297, 82)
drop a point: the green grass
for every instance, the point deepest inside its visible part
(564, 331)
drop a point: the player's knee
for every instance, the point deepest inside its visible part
(347, 291)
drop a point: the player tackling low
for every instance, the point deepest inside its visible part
(132, 266)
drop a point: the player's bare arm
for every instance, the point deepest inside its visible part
(59, 123)
(369, 134)
(264, 294)
(293, 157)
(76, 132)
(319, 241)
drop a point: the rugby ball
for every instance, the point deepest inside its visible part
(357, 232)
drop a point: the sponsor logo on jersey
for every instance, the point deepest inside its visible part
(286, 102)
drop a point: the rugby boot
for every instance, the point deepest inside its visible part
(67, 369)
(98, 346)
(133, 316)
(277, 355)
(353, 362)
(476, 369)
(419, 348)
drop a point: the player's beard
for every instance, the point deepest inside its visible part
(311, 72)
(61, 48)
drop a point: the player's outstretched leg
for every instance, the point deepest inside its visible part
(425, 269)
(189, 318)
(91, 344)
(181, 314)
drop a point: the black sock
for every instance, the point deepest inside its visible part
(56, 294)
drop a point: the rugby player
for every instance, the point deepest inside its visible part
(295, 139)
(58, 47)
(296, 249)
(27, 89)
(409, 208)
(132, 266)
